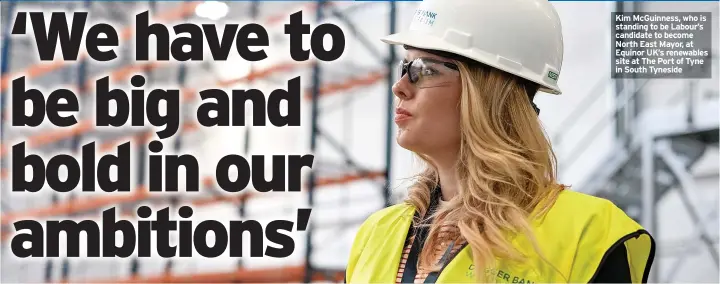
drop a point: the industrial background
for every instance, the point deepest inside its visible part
(650, 146)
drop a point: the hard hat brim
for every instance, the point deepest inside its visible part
(425, 41)
(418, 40)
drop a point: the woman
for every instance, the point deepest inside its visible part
(488, 207)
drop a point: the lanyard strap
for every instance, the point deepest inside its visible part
(433, 276)
(418, 242)
(411, 265)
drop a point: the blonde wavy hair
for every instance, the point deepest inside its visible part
(506, 169)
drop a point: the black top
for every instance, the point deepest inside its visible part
(615, 268)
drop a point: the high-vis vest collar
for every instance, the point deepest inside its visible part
(574, 236)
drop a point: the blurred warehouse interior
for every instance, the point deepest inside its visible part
(650, 146)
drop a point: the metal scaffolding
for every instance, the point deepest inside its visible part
(649, 158)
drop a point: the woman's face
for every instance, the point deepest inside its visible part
(427, 112)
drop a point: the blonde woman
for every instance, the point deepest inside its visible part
(488, 207)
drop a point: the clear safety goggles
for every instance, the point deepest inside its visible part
(428, 72)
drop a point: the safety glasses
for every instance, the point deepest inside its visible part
(428, 72)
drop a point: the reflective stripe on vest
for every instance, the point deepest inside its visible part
(574, 236)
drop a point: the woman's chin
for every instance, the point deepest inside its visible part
(407, 140)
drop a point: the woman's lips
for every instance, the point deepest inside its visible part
(402, 117)
(402, 114)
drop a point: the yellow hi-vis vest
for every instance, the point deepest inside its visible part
(575, 235)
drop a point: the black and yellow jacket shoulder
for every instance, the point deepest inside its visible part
(576, 235)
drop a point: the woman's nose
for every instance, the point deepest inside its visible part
(401, 89)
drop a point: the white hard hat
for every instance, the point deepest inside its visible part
(521, 37)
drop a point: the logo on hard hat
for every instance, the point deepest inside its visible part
(552, 75)
(424, 17)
